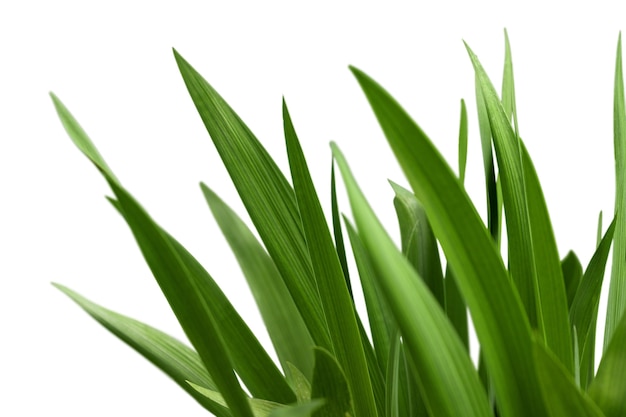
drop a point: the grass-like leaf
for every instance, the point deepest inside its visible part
(463, 142)
(418, 241)
(266, 194)
(306, 409)
(562, 396)
(616, 304)
(608, 389)
(501, 325)
(572, 274)
(176, 359)
(338, 234)
(338, 306)
(584, 310)
(329, 383)
(260, 408)
(432, 342)
(286, 328)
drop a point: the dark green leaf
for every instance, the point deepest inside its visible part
(337, 305)
(341, 250)
(572, 274)
(329, 383)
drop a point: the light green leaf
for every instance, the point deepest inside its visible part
(382, 323)
(418, 241)
(329, 383)
(176, 359)
(532, 247)
(501, 325)
(403, 397)
(286, 328)
(338, 307)
(608, 389)
(301, 385)
(561, 394)
(260, 408)
(446, 372)
(306, 409)
(616, 304)
(463, 142)
(584, 310)
(266, 194)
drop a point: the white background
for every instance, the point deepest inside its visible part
(112, 65)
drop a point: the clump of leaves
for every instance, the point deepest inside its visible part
(535, 320)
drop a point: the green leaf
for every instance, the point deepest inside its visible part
(455, 306)
(463, 142)
(599, 235)
(282, 319)
(501, 325)
(197, 301)
(337, 305)
(260, 408)
(382, 323)
(572, 274)
(561, 394)
(341, 250)
(176, 359)
(418, 241)
(403, 398)
(608, 389)
(508, 84)
(532, 247)
(301, 385)
(447, 374)
(306, 409)
(329, 383)
(266, 194)
(584, 310)
(616, 303)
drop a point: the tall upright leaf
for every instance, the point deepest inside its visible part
(329, 383)
(282, 319)
(339, 245)
(533, 257)
(266, 194)
(572, 274)
(338, 306)
(608, 389)
(501, 325)
(448, 381)
(584, 311)
(616, 304)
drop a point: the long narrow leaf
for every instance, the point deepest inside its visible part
(260, 408)
(341, 250)
(338, 306)
(608, 389)
(463, 142)
(584, 311)
(501, 325)
(572, 274)
(449, 381)
(562, 396)
(286, 328)
(176, 359)
(266, 194)
(329, 383)
(616, 304)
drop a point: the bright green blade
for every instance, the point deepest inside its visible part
(608, 389)
(508, 84)
(550, 283)
(455, 307)
(167, 257)
(260, 408)
(266, 194)
(418, 241)
(286, 328)
(501, 325)
(584, 311)
(402, 397)
(532, 247)
(329, 383)
(183, 290)
(301, 384)
(562, 396)
(305, 409)
(176, 359)
(572, 274)
(341, 250)
(463, 142)
(616, 303)
(599, 235)
(382, 323)
(449, 381)
(337, 304)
